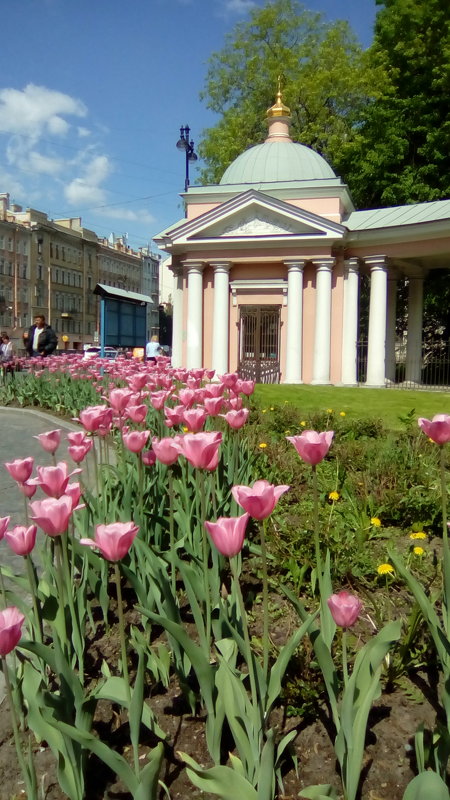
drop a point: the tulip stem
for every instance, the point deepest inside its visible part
(344, 656)
(76, 637)
(34, 590)
(173, 577)
(316, 524)
(60, 586)
(26, 510)
(446, 549)
(265, 580)
(249, 654)
(205, 544)
(141, 488)
(123, 643)
(29, 775)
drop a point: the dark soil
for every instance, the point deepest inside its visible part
(389, 758)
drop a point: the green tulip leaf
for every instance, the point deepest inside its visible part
(223, 781)
(426, 786)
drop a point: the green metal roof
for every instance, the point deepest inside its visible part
(277, 161)
(121, 294)
(435, 211)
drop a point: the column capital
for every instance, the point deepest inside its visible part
(220, 265)
(352, 264)
(324, 264)
(294, 264)
(376, 262)
(192, 265)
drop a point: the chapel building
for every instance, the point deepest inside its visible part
(267, 268)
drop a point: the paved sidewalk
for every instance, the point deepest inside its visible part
(17, 428)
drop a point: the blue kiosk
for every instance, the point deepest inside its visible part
(123, 317)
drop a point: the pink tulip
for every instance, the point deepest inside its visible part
(311, 446)
(148, 458)
(437, 429)
(228, 534)
(11, 621)
(186, 397)
(236, 419)
(201, 449)
(137, 413)
(214, 390)
(77, 438)
(21, 539)
(235, 403)
(79, 452)
(260, 499)
(158, 399)
(20, 469)
(138, 381)
(4, 522)
(245, 387)
(114, 540)
(53, 480)
(52, 514)
(194, 419)
(167, 449)
(49, 441)
(135, 441)
(229, 379)
(27, 488)
(119, 399)
(73, 490)
(174, 416)
(94, 417)
(213, 405)
(345, 608)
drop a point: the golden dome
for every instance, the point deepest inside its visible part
(278, 109)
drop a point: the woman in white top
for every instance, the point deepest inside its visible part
(6, 349)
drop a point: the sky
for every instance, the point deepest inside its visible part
(93, 94)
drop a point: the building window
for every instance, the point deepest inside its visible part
(39, 272)
(23, 271)
(51, 249)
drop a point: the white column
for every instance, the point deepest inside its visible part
(376, 351)
(293, 371)
(350, 323)
(414, 341)
(391, 325)
(322, 332)
(195, 314)
(177, 324)
(221, 318)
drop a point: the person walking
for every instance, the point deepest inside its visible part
(152, 349)
(6, 349)
(40, 339)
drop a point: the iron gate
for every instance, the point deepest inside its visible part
(259, 343)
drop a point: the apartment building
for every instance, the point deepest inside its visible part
(51, 267)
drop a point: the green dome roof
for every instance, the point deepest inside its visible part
(277, 161)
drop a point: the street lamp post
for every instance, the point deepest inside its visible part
(186, 144)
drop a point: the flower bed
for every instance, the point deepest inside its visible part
(247, 585)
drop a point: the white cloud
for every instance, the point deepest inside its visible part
(240, 7)
(83, 131)
(20, 155)
(86, 189)
(127, 215)
(36, 110)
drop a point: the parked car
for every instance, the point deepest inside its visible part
(94, 350)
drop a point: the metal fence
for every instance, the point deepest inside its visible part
(433, 371)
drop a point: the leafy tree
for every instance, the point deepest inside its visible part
(327, 82)
(401, 152)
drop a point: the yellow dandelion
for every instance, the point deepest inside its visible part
(342, 414)
(385, 569)
(418, 535)
(334, 496)
(272, 408)
(375, 522)
(329, 410)
(418, 551)
(264, 411)
(262, 445)
(303, 423)
(286, 433)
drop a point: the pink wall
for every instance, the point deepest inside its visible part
(195, 210)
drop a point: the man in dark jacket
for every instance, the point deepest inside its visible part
(41, 339)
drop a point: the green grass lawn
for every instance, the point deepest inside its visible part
(385, 404)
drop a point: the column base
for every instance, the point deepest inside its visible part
(292, 382)
(320, 383)
(373, 385)
(344, 385)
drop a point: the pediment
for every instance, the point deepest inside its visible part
(255, 216)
